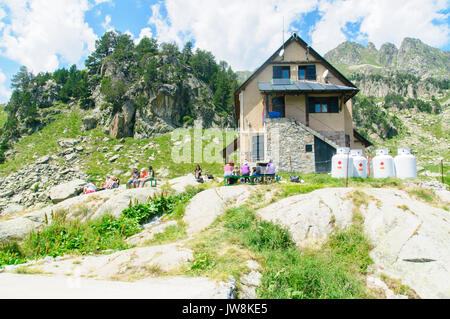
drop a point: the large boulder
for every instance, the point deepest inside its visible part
(206, 206)
(89, 123)
(120, 200)
(310, 218)
(411, 239)
(68, 142)
(64, 191)
(17, 228)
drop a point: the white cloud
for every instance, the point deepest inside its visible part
(107, 23)
(145, 32)
(246, 33)
(101, 1)
(5, 93)
(381, 21)
(243, 33)
(43, 33)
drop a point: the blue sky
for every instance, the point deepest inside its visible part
(48, 34)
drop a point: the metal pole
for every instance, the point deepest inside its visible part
(290, 163)
(348, 160)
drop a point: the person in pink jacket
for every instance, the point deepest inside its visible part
(228, 171)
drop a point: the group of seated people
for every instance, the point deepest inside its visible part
(111, 182)
(137, 180)
(230, 171)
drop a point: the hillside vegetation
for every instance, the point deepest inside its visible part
(127, 90)
(404, 98)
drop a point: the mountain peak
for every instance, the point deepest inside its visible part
(371, 47)
(413, 56)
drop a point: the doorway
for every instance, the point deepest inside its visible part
(323, 155)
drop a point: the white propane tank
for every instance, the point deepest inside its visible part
(383, 164)
(359, 164)
(405, 164)
(342, 164)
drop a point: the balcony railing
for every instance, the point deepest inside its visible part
(282, 82)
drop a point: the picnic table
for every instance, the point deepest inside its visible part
(254, 179)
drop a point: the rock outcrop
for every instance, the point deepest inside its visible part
(31, 185)
(65, 191)
(206, 206)
(311, 218)
(411, 239)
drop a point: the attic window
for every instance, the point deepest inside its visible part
(307, 72)
(281, 72)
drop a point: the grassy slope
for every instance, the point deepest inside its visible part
(427, 135)
(96, 163)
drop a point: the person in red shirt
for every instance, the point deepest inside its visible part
(146, 176)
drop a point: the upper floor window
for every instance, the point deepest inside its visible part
(307, 72)
(281, 72)
(323, 105)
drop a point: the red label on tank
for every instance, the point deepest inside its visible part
(339, 163)
(361, 165)
(382, 164)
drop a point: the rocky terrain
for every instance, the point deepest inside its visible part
(35, 184)
(410, 241)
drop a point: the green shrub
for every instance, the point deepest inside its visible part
(239, 219)
(290, 274)
(267, 236)
(352, 246)
(171, 234)
(11, 254)
(202, 262)
(64, 236)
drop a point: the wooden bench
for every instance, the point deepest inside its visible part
(153, 180)
(256, 179)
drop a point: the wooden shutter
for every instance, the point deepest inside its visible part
(311, 72)
(311, 105)
(277, 72)
(333, 105)
(288, 69)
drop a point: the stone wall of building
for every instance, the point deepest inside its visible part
(285, 143)
(337, 137)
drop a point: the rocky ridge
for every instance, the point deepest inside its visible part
(413, 56)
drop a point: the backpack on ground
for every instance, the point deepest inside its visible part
(295, 179)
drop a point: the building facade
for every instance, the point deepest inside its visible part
(296, 110)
